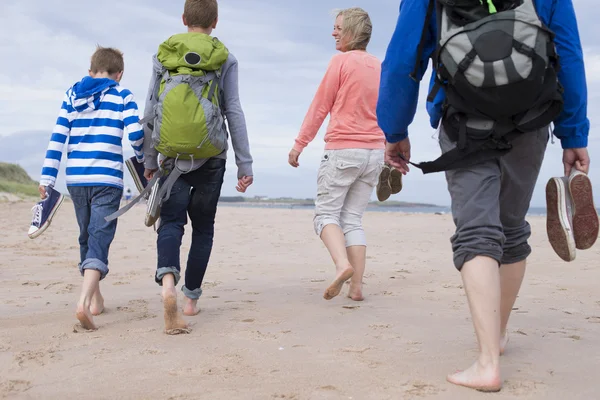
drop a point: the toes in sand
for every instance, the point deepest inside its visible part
(174, 324)
(336, 286)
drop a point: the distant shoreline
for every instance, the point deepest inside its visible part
(310, 202)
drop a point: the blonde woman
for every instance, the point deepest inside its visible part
(353, 157)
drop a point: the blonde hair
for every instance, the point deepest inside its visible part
(106, 59)
(201, 13)
(357, 27)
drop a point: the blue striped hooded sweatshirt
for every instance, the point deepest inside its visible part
(94, 116)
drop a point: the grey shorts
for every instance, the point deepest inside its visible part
(490, 201)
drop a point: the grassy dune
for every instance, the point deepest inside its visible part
(14, 180)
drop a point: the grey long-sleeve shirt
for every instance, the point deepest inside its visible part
(234, 115)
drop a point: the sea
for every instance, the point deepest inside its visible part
(440, 210)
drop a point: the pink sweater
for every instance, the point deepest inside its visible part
(349, 92)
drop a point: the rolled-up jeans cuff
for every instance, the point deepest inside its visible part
(161, 272)
(192, 294)
(95, 264)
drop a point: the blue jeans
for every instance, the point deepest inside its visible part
(92, 204)
(195, 194)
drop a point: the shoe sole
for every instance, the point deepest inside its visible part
(585, 216)
(153, 209)
(384, 190)
(558, 227)
(395, 181)
(134, 175)
(49, 220)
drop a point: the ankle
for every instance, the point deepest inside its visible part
(343, 265)
(489, 361)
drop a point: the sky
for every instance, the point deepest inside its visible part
(283, 48)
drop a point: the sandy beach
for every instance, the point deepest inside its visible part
(265, 331)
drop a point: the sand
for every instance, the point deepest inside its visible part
(265, 331)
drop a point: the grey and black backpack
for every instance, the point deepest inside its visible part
(497, 64)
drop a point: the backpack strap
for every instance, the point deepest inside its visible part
(215, 77)
(157, 175)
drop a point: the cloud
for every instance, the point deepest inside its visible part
(283, 48)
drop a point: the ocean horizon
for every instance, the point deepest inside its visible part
(533, 211)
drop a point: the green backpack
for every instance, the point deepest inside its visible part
(187, 121)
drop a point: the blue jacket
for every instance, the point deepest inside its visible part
(398, 93)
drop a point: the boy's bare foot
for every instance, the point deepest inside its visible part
(84, 316)
(97, 305)
(190, 307)
(478, 377)
(355, 292)
(503, 342)
(343, 274)
(174, 325)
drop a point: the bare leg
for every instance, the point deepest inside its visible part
(481, 278)
(511, 277)
(190, 307)
(174, 325)
(97, 306)
(357, 256)
(334, 240)
(91, 279)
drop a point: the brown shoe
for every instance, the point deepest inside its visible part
(558, 224)
(585, 216)
(395, 180)
(384, 190)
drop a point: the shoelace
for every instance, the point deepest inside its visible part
(37, 214)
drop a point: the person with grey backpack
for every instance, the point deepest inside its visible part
(504, 71)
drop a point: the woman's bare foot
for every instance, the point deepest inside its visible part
(190, 307)
(503, 342)
(97, 306)
(174, 324)
(343, 274)
(84, 316)
(355, 292)
(478, 377)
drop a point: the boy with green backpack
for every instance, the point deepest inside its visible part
(193, 91)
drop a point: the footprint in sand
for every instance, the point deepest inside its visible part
(523, 388)
(248, 320)
(39, 357)
(30, 283)
(351, 307)
(292, 396)
(386, 326)
(153, 352)
(354, 350)
(421, 389)
(14, 386)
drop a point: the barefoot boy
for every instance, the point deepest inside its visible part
(200, 77)
(95, 114)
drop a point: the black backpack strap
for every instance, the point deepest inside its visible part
(415, 72)
(473, 153)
